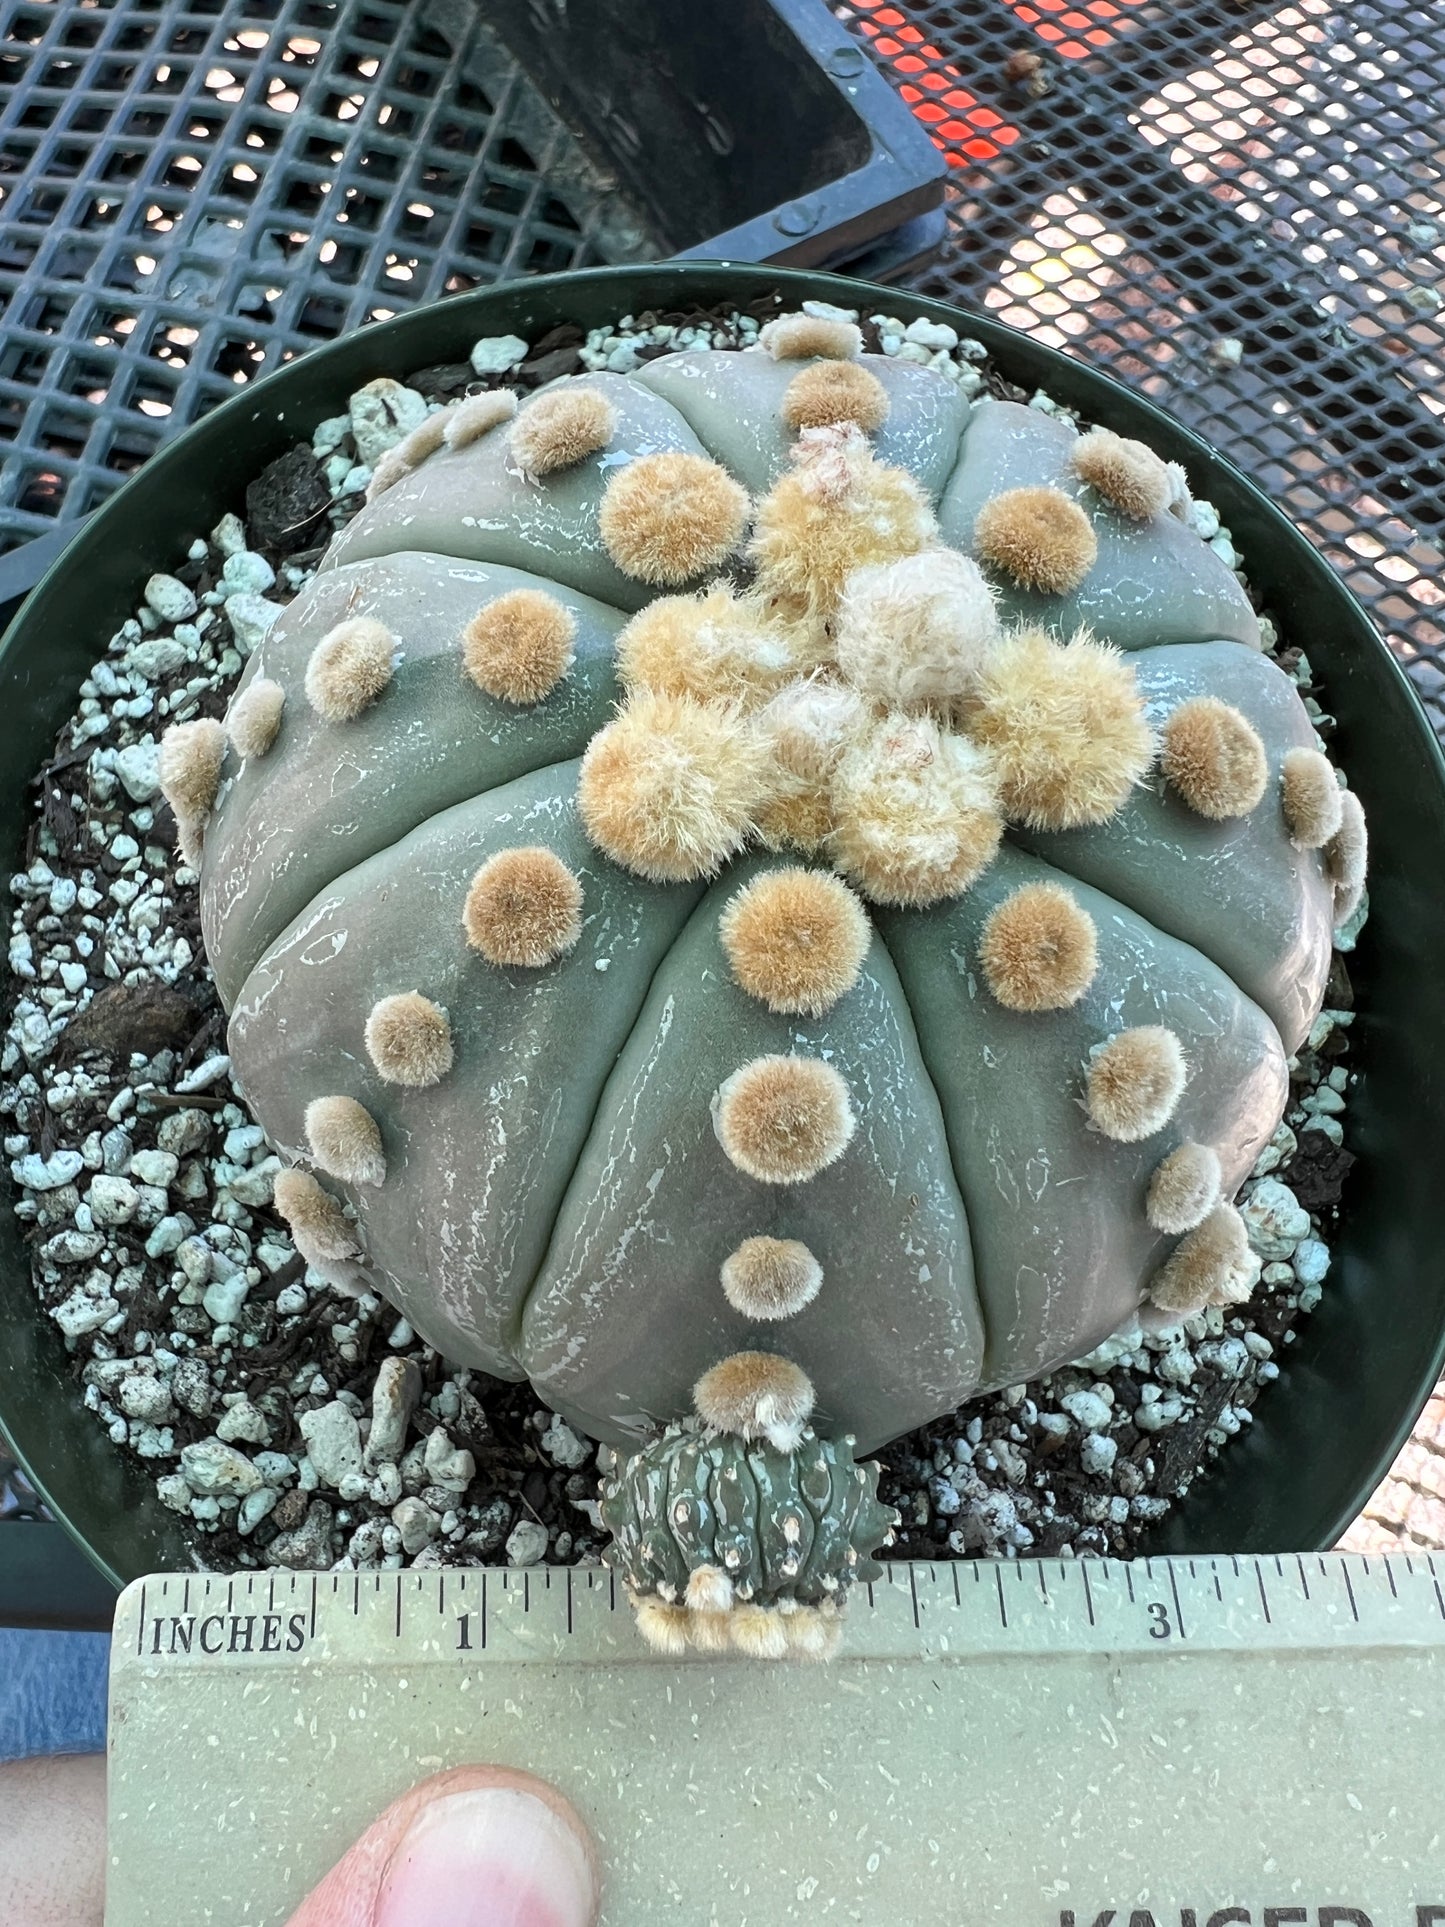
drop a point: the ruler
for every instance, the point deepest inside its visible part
(1211, 1742)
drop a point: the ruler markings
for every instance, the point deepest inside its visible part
(1350, 1591)
(1390, 1575)
(1263, 1595)
(1088, 1593)
(1002, 1608)
(398, 1612)
(484, 1612)
(569, 1602)
(140, 1631)
(1435, 1579)
(913, 1594)
(1178, 1609)
(957, 1592)
(1043, 1581)
(1304, 1581)
(1129, 1582)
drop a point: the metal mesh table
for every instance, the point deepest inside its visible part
(1235, 206)
(1239, 209)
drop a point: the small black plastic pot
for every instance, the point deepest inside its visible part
(1352, 1387)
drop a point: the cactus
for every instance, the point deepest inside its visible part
(762, 847)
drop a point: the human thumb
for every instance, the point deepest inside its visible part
(477, 1846)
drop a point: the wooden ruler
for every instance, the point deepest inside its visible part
(1211, 1742)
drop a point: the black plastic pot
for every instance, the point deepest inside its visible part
(1349, 1391)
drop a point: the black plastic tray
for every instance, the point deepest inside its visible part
(1353, 1385)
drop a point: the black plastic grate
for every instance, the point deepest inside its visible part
(1206, 173)
(194, 190)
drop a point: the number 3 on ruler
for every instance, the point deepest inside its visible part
(1159, 1614)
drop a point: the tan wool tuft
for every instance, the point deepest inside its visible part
(768, 1278)
(713, 647)
(813, 1632)
(758, 1396)
(1039, 949)
(663, 1625)
(389, 470)
(1311, 798)
(561, 427)
(1128, 474)
(835, 391)
(409, 1040)
(709, 1590)
(1135, 1082)
(796, 939)
(426, 438)
(349, 668)
(1039, 537)
(1184, 1189)
(519, 646)
(477, 415)
(758, 1632)
(190, 763)
(345, 1140)
(670, 787)
(915, 813)
(1065, 726)
(322, 1232)
(1214, 757)
(836, 511)
(1347, 857)
(254, 718)
(666, 519)
(805, 730)
(782, 1120)
(1212, 1266)
(916, 631)
(800, 337)
(524, 908)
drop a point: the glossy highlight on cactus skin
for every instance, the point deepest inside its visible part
(524, 908)
(782, 1120)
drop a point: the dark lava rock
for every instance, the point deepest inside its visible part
(286, 500)
(147, 1017)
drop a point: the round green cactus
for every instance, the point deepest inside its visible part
(761, 850)
(725, 1543)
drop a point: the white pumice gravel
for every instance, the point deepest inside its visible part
(286, 1425)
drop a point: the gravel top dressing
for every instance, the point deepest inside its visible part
(297, 1427)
